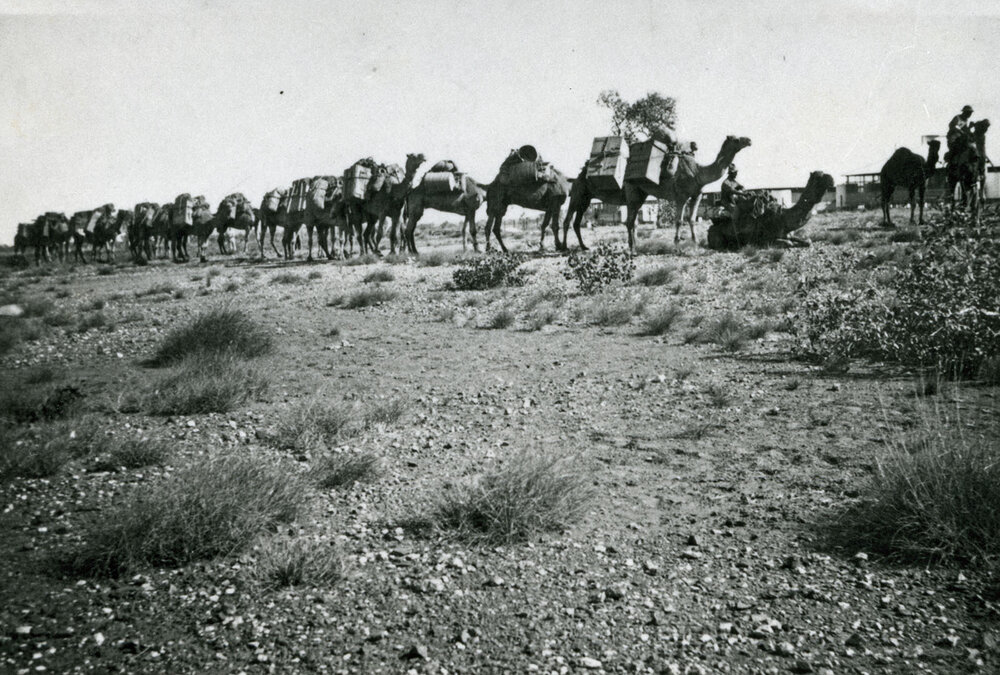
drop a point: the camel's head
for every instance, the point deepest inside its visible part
(414, 161)
(819, 181)
(934, 145)
(981, 127)
(735, 143)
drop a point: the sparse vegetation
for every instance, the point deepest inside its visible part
(662, 319)
(204, 383)
(379, 276)
(528, 494)
(489, 271)
(366, 297)
(216, 506)
(339, 470)
(935, 495)
(287, 278)
(501, 319)
(603, 265)
(658, 276)
(286, 562)
(220, 331)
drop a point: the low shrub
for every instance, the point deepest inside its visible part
(366, 297)
(614, 309)
(91, 321)
(489, 271)
(501, 319)
(204, 383)
(319, 423)
(654, 247)
(286, 562)
(541, 317)
(941, 310)
(287, 278)
(601, 266)
(379, 276)
(216, 331)
(528, 494)
(40, 451)
(132, 453)
(935, 495)
(726, 331)
(658, 276)
(217, 506)
(661, 320)
(24, 404)
(344, 469)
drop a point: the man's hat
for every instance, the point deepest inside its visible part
(967, 108)
(732, 168)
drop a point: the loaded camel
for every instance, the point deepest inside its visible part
(770, 225)
(141, 234)
(967, 167)
(269, 219)
(464, 200)
(384, 197)
(681, 181)
(97, 227)
(236, 212)
(546, 196)
(908, 169)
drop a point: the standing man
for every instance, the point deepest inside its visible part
(959, 130)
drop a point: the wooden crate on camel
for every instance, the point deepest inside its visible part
(644, 163)
(607, 164)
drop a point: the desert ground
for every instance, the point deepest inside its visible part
(714, 467)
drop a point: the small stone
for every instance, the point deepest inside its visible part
(651, 567)
(854, 640)
(693, 540)
(801, 666)
(98, 639)
(416, 652)
(860, 558)
(691, 555)
(785, 649)
(948, 642)
(589, 663)
(22, 630)
(494, 582)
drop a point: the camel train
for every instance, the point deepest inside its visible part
(341, 210)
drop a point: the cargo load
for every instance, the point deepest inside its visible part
(299, 195)
(607, 163)
(528, 173)
(644, 163)
(92, 219)
(182, 213)
(272, 200)
(395, 173)
(439, 182)
(356, 181)
(444, 165)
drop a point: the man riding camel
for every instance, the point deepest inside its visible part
(959, 131)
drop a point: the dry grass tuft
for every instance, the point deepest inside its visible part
(217, 506)
(287, 562)
(216, 331)
(528, 494)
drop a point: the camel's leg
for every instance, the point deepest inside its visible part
(545, 225)
(886, 198)
(913, 204)
(488, 230)
(692, 216)
(631, 215)
(409, 241)
(393, 233)
(470, 219)
(497, 232)
(273, 247)
(323, 232)
(309, 240)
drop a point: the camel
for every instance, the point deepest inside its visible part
(97, 227)
(908, 169)
(22, 239)
(546, 196)
(681, 181)
(161, 229)
(967, 168)
(108, 228)
(203, 223)
(762, 225)
(235, 211)
(41, 234)
(140, 236)
(269, 219)
(464, 201)
(384, 198)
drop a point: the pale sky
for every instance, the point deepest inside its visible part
(134, 101)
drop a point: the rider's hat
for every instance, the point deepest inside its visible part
(967, 108)
(732, 168)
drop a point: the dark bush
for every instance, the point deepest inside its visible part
(490, 271)
(599, 267)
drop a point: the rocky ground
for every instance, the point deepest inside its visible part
(715, 475)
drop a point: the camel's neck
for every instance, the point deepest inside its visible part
(710, 173)
(797, 214)
(411, 172)
(932, 160)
